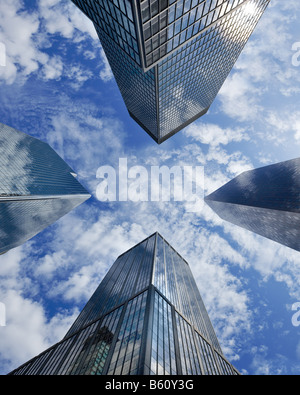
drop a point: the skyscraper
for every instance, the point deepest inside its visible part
(36, 187)
(146, 318)
(171, 57)
(265, 201)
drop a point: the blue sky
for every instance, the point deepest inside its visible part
(57, 86)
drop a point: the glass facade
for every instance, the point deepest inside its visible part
(171, 57)
(265, 201)
(36, 187)
(146, 318)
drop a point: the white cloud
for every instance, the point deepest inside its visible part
(106, 73)
(53, 69)
(239, 98)
(64, 18)
(27, 36)
(214, 135)
(78, 75)
(17, 30)
(285, 125)
(265, 365)
(28, 332)
(264, 68)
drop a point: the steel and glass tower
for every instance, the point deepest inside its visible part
(36, 187)
(265, 201)
(171, 57)
(146, 318)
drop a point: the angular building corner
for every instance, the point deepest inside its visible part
(146, 318)
(36, 187)
(171, 58)
(265, 201)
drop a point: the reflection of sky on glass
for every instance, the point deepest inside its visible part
(22, 220)
(179, 22)
(15, 162)
(173, 278)
(243, 18)
(201, 49)
(30, 169)
(129, 275)
(275, 187)
(191, 77)
(265, 201)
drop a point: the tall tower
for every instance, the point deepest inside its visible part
(36, 187)
(170, 58)
(146, 318)
(265, 201)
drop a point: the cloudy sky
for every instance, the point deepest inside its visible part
(58, 87)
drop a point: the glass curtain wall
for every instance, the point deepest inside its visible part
(146, 318)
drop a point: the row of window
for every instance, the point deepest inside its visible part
(95, 305)
(125, 359)
(137, 88)
(178, 349)
(30, 167)
(129, 275)
(78, 352)
(150, 8)
(112, 345)
(173, 278)
(92, 355)
(115, 18)
(222, 29)
(207, 72)
(190, 363)
(163, 356)
(175, 27)
(192, 76)
(22, 220)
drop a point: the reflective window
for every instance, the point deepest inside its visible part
(125, 359)
(130, 274)
(265, 201)
(126, 329)
(84, 353)
(115, 19)
(94, 351)
(174, 279)
(226, 368)
(207, 356)
(191, 77)
(138, 89)
(36, 187)
(163, 359)
(188, 49)
(167, 27)
(188, 350)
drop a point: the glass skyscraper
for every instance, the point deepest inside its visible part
(265, 201)
(36, 187)
(146, 318)
(171, 57)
